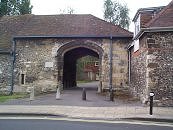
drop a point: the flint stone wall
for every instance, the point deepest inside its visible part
(152, 68)
(5, 73)
(138, 72)
(160, 66)
(33, 54)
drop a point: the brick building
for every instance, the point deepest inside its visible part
(92, 70)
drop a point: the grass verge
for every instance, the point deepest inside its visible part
(4, 98)
(83, 81)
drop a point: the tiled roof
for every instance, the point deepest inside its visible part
(145, 17)
(9, 27)
(71, 24)
(163, 18)
(57, 25)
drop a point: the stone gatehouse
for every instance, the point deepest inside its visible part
(46, 48)
(45, 63)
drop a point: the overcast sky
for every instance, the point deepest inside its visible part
(94, 7)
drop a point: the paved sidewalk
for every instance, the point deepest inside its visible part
(73, 97)
(96, 107)
(105, 113)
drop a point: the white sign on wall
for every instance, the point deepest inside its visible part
(48, 64)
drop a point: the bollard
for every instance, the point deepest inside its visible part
(151, 103)
(58, 95)
(84, 94)
(31, 94)
(111, 95)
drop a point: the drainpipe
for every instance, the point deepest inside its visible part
(129, 63)
(12, 68)
(110, 72)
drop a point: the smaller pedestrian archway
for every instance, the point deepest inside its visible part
(67, 57)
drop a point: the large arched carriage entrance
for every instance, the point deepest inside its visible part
(67, 56)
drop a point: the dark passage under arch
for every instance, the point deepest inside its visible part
(69, 67)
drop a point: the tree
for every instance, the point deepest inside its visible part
(68, 10)
(25, 7)
(3, 7)
(116, 13)
(15, 7)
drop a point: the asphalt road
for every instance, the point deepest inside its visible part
(47, 124)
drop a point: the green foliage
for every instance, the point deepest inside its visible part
(3, 7)
(68, 10)
(15, 7)
(109, 10)
(25, 7)
(4, 98)
(116, 13)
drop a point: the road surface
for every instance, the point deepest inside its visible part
(45, 123)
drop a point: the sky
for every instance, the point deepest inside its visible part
(94, 7)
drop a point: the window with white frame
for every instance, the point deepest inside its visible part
(137, 25)
(136, 45)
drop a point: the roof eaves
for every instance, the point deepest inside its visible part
(71, 36)
(153, 29)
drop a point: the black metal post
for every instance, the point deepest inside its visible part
(151, 103)
(111, 95)
(84, 94)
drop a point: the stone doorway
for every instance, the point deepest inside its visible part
(67, 56)
(70, 61)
